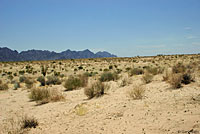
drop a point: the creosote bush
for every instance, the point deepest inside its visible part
(97, 89)
(76, 82)
(136, 92)
(135, 71)
(29, 122)
(41, 79)
(108, 76)
(53, 80)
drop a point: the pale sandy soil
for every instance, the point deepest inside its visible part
(162, 111)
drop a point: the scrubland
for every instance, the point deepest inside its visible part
(139, 95)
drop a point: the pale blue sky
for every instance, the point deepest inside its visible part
(122, 27)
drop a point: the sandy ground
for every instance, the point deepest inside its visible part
(161, 111)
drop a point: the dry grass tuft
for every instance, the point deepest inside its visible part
(136, 93)
(44, 95)
(147, 78)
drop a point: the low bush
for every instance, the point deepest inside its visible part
(44, 95)
(97, 89)
(41, 79)
(16, 85)
(29, 122)
(22, 78)
(175, 80)
(3, 86)
(108, 76)
(135, 71)
(53, 80)
(75, 82)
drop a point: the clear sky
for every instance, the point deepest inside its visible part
(122, 27)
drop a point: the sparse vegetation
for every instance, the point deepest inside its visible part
(108, 76)
(42, 81)
(75, 82)
(175, 80)
(3, 86)
(53, 80)
(136, 93)
(44, 95)
(147, 78)
(135, 71)
(97, 89)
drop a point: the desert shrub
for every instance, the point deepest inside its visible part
(10, 77)
(3, 86)
(136, 92)
(41, 79)
(16, 85)
(53, 80)
(166, 76)
(29, 122)
(178, 68)
(22, 78)
(44, 95)
(187, 78)
(21, 72)
(147, 78)
(108, 76)
(110, 67)
(135, 71)
(175, 80)
(153, 70)
(97, 89)
(40, 94)
(75, 82)
(29, 83)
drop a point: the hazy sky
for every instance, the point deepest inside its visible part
(122, 27)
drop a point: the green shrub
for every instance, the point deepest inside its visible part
(135, 71)
(75, 82)
(29, 122)
(187, 78)
(22, 78)
(41, 79)
(108, 76)
(53, 80)
(96, 90)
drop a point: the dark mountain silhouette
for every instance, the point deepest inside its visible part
(7, 54)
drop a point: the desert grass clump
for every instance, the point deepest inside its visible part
(108, 76)
(175, 81)
(72, 83)
(136, 93)
(179, 68)
(147, 78)
(97, 89)
(124, 82)
(135, 71)
(44, 95)
(53, 80)
(3, 86)
(42, 81)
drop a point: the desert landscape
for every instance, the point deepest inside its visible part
(139, 95)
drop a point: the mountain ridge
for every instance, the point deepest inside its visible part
(7, 54)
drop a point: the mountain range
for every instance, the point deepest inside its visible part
(7, 54)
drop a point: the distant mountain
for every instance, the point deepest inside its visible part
(7, 54)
